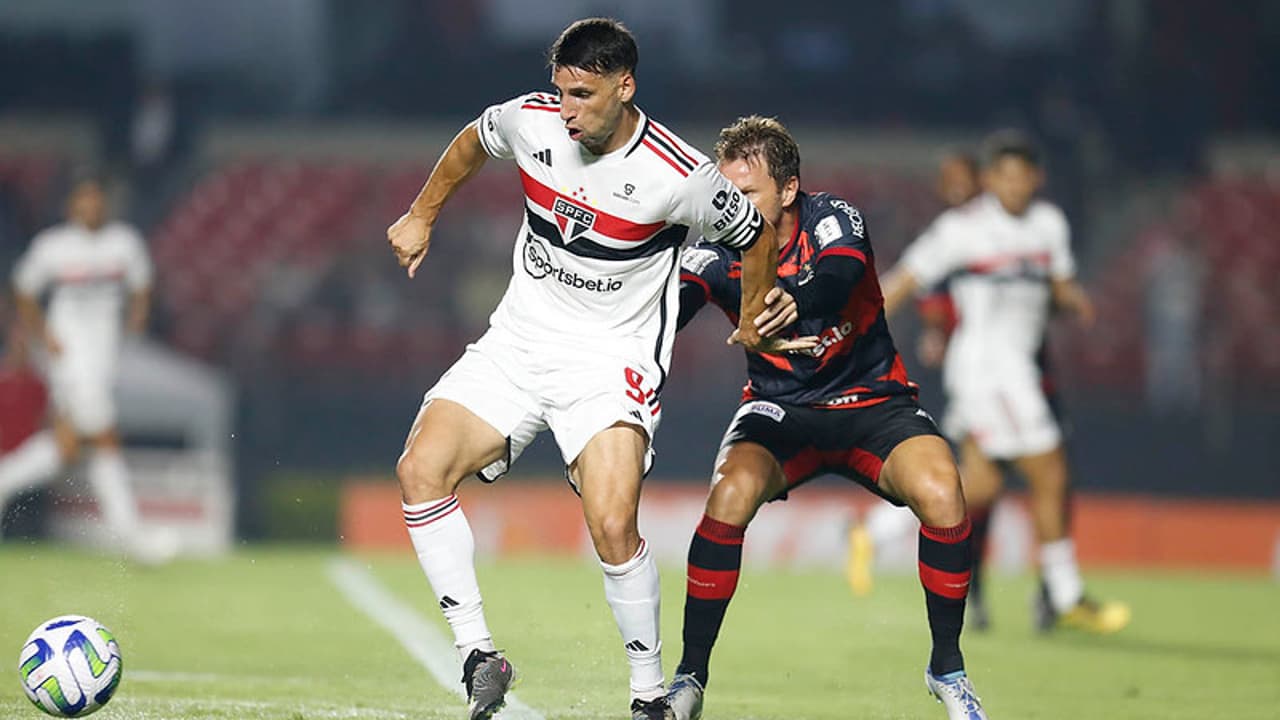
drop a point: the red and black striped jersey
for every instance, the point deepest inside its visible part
(829, 267)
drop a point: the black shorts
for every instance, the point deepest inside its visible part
(850, 442)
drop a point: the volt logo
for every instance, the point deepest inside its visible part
(573, 220)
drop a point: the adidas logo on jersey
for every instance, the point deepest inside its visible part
(543, 156)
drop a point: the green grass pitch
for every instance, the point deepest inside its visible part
(267, 634)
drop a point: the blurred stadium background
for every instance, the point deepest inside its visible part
(263, 147)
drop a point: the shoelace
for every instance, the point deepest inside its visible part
(469, 669)
(962, 690)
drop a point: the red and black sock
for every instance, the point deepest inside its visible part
(945, 560)
(715, 558)
(981, 522)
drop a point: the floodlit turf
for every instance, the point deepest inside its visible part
(265, 634)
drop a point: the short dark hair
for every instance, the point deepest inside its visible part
(599, 45)
(765, 138)
(1010, 143)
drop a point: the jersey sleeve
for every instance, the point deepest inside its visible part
(33, 271)
(704, 275)
(498, 126)
(138, 269)
(843, 250)
(1062, 263)
(707, 202)
(930, 259)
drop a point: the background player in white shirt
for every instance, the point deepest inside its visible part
(1007, 258)
(581, 342)
(98, 278)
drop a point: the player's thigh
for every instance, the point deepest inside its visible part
(608, 473)
(1011, 419)
(447, 443)
(1045, 472)
(922, 471)
(84, 395)
(747, 474)
(767, 449)
(475, 416)
(588, 394)
(982, 477)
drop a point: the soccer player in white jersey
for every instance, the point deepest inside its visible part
(581, 342)
(1007, 258)
(98, 277)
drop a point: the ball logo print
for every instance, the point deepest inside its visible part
(70, 666)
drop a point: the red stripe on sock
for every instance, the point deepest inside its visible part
(721, 532)
(950, 535)
(432, 519)
(949, 585)
(711, 584)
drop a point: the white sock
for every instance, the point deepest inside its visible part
(632, 591)
(109, 479)
(29, 464)
(1061, 574)
(446, 551)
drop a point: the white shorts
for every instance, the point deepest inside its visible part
(83, 392)
(1009, 420)
(521, 390)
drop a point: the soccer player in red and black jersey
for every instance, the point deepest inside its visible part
(844, 407)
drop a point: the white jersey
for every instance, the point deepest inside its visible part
(87, 273)
(596, 262)
(999, 269)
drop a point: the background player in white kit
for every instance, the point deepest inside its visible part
(98, 277)
(581, 342)
(1007, 257)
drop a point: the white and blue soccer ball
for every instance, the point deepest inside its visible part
(70, 666)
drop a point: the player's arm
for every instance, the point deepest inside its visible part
(702, 274)
(759, 271)
(410, 236)
(1066, 292)
(139, 311)
(32, 320)
(1070, 295)
(898, 287)
(138, 276)
(30, 277)
(924, 264)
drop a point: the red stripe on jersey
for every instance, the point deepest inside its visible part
(845, 251)
(706, 584)
(998, 262)
(666, 135)
(608, 225)
(706, 289)
(548, 108)
(664, 156)
(954, 586)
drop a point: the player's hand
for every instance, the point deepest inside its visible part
(410, 237)
(1085, 313)
(52, 345)
(931, 347)
(774, 345)
(779, 312)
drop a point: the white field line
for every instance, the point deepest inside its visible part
(421, 639)
(165, 709)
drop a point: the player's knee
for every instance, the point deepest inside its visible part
(615, 535)
(735, 497)
(419, 481)
(936, 495)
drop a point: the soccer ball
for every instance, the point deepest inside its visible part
(70, 666)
